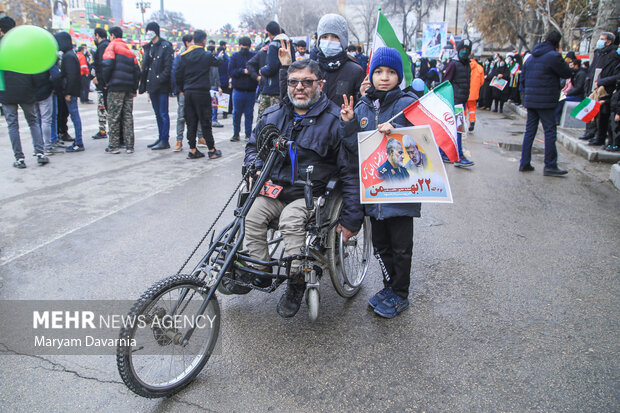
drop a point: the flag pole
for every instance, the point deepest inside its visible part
(387, 121)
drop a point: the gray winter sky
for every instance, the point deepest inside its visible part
(202, 14)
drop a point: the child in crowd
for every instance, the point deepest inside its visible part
(392, 224)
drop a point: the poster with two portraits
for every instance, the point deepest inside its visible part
(402, 167)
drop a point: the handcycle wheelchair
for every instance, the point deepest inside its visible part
(167, 347)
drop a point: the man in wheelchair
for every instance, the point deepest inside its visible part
(308, 118)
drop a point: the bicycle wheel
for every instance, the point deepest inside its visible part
(348, 261)
(152, 359)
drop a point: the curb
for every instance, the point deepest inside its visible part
(614, 175)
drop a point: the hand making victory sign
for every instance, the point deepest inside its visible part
(346, 113)
(284, 53)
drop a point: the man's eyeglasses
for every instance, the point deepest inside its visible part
(305, 82)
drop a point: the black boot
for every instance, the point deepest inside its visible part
(291, 299)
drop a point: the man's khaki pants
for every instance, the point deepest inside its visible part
(293, 219)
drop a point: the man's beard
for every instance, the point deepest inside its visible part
(313, 98)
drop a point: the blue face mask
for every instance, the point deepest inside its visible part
(330, 48)
(600, 44)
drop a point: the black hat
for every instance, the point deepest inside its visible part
(153, 26)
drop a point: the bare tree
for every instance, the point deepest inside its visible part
(606, 20)
(35, 12)
(365, 16)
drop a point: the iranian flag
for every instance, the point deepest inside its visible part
(385, 36)
(586, 110)
(436, 109)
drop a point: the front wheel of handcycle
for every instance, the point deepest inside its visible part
(348, 261)
(154, 358)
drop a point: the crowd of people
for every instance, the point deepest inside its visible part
(319, 95)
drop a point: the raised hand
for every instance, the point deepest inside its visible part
(284, 53)
(346, 112)
(364, 86)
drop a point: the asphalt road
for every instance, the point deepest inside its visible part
(514, 299)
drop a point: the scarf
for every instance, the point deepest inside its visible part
(331, 64)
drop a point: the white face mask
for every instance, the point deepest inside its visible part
(150, 35)
(329, 47)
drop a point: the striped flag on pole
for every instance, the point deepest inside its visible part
(385, 36)
(586, 110)
(436, 109)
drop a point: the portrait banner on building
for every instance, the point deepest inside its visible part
(434, 38)
(60, 15)
(402, 167)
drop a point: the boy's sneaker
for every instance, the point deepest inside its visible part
(391, 306)
(19, 163)
(380, 296)
(445, 159)
(52, 150)
(216, 124)
(75, 148)
(100, 135)
(235, 138)
(66, 137)
(58, 144)
(463, 163)
(129, 150)
(113, 151)
(42, 159)
(215, 154)
(195, 155)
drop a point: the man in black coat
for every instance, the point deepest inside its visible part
(101, 39)
(155, 79)
(71, 82)
(20, 90)
(193, 80)
(604, 52)
(307, 117)
(540, 80)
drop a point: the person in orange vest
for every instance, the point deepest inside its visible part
(84, 72)
(477, 79)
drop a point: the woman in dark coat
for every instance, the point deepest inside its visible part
(485, 90)
(500, 96)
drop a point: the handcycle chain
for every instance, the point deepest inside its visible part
(219, 215)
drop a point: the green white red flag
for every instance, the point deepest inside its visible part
(385, 36)
(586, 110)
(436, 109)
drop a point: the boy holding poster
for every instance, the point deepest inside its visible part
(392, 224)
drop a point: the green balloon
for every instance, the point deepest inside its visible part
(28, 49)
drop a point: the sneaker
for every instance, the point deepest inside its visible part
(607, 148)
(178, 146)
(391, 306)
(235, 138)
(75, 148)
(53, 150)
(42, 159)
(445, 159)
(19, 163)
(380, 296)
(65, 137)
(113, 151)
(202, 143)
(291, 299)
(58, 144)
(215, 154)
(526, 168)
(129, 150)
(100, 135)
(463, 163)
(216, 124)
(195, 155)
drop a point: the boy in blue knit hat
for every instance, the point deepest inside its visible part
(392, 224)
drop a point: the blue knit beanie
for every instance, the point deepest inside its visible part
(386, 56)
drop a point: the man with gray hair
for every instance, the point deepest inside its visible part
(392, 169)
(307, 117)
(417, 159)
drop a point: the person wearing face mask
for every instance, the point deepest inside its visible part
(270, 71)
(540, 80)
(499, 97)
(574, 91)
(596, 130)
(605, 85)
(155, 79)
(343, 76)
(458, 73)
(243, 88)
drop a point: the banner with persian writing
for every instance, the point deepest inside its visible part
(402, 167)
